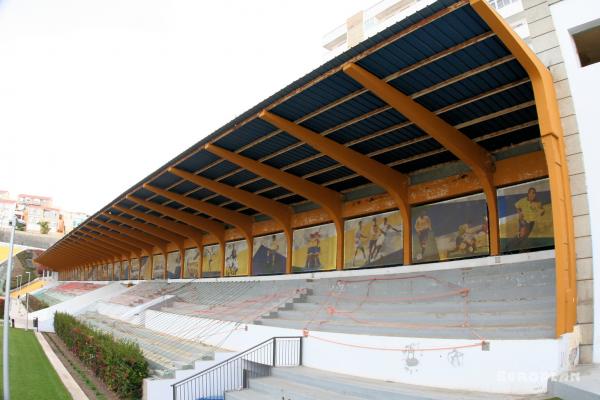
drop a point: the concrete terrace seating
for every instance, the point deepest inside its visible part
(142, 293)
(66, 291)
(242, 301)
(312, 384)
(514, 301)
(164, 353)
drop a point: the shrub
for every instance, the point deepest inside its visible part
(120, 364)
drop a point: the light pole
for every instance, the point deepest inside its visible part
(5, 375)
(19, 281)
(27, 302)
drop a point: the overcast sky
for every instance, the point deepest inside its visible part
(97, 94)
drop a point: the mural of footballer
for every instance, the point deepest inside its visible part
(529, 211)
(423, 229)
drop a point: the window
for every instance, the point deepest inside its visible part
(587, 39)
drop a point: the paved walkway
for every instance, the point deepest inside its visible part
(19, 314)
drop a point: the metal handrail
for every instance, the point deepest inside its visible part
(234, 372)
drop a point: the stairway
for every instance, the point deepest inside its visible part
(301, 383)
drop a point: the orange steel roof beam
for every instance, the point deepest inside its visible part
(97, 254)
(98, 234)
(94, 241)
(174, 227)
(195, 235)
(554, 148)
(274, 209)
(136, 230)
(121, 234)
(472, 154)
(392, 181)
(139, 233)
(215, 228)
(330, 200)
(144, 226)
(241, 221)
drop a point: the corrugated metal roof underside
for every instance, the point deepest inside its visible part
(452, 65)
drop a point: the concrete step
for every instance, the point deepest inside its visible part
(278, 388)
(474, 332)
(444, 305)
(506, 318)
(247, 394)
(581, 384)
(370, 389)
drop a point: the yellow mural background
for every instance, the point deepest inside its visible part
(134, 272)
(173, 262)
(241, 263)
(392, 242)
(211, 261)
(145, 268)
(158, 266)
(192, 264)
(303, 242)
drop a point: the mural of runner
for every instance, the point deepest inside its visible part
(525, 213)
(236, 258)
(174, 265)
(373, 241)
(117, 271)
(314, 248)
(456, 228)
(144, 270)
(211, 262)
(135, 269)
(158, 266)
(269, 254)
(192, 264)
(125, 270)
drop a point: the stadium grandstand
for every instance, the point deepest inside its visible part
(396, 224)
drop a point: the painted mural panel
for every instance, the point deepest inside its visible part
(236, 258)
(456, 228)
(135, 269)
(192, 264)
(314, 248)
(89, 274)
(211, 261)
(174, 265)
(125, 270)
(117, 274)
(158, 266)
(525, 213)
(373, 241)
(269, 254)
(144, 266)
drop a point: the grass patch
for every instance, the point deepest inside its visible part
(32, 377)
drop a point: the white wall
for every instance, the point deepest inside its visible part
(510, 366)
(585, 88)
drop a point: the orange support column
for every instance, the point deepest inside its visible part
(330, 200)
(274, 209)
(472, 154)
(553, 142)
(392, 181)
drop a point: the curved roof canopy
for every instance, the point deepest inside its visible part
(444, 58)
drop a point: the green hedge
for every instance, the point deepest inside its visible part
(120, 364)
(35, 304)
